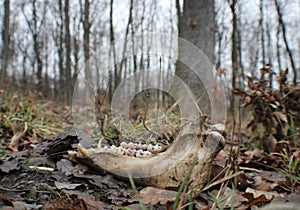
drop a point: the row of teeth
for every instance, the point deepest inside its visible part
(134, 150)
(144, 147)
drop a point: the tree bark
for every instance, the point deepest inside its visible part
(36, 46)
(262, 32)
(86, 42)
(61, 92)
(282, 25)
(69, 80)
(119, 74)
(112, 49)
(196, 24)
(270, 53)
(234, 53)
(5, 40)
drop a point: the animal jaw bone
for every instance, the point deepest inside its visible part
(190, 149)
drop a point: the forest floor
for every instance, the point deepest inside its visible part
(36, 171)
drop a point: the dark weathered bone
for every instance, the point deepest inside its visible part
(191, 150)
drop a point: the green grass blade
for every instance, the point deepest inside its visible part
(191, 200)
(232, 198)
(293, 130)
(186, 178)
(218, 202)
(136, 193)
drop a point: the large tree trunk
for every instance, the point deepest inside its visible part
(196, 25)
(5, 40)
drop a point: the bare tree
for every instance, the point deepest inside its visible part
(85, 18)
(262, 32)
(278, 48)
(5, 40)
(59, 39)
(196, 24)
(35, 25)
(234, 51)
(284, 33)
(112, 48)
(69, 80)
(270, 52)
(118, 74)
(240, 49)
(75, 34)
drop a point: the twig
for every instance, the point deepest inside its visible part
(228, 177)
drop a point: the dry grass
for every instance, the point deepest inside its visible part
(25, 117)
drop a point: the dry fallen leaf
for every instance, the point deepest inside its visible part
(263, 185)
(66, 167)
(91, 204)
(9, 165)
(68, 186)
(272, 176)
(238, 198)
(269, 143)
(256, 200)
(154, 196)
(258, 193)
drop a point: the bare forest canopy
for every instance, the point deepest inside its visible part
(45, 44)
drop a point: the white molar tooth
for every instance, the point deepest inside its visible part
(139, 146)
(150, 147)
(131, 145)
(144, 147)
(139, 153)
(126, 152)
(131, 152)
(105, 149)
(120, 151)
(124, 145)
(156, 147)
(113, 149)
(147, 154)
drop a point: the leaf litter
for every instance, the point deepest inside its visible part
(266, 170)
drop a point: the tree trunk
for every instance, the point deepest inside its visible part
(234, 53)
(117, 74)
(284, 33)
(76, 51)
(86, 43)
(270, 53)
(69, 80)
(6, 41)
(112, 49)
(61, 90)
(36, 46)
(240, 51)
(196, 25)
(262, 32)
